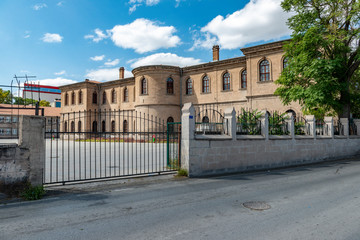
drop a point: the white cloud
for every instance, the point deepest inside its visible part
(98, 58)
(259, 20)
(110, 63)
(27, 36)
(60, 4)
(99, 35)
(106, 74)
(165, 59)
(60, 73)
(39, 6)
(136, 3)
(143, 35)
(52, 38)
(55, 81)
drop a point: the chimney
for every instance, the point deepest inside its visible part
(121, 73)
(86, 80)
(216, 50)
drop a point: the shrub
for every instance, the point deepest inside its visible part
(33, 192)
(182, 172)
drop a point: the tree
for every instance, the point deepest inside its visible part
(5, 96)
(323, 55)
(44, 103)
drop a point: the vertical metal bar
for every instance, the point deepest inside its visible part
(90, 142)
(119, 131)
(148, 143)
(74, 146)
(79, 133)
(85, 117)
(105, 143)
(68, 147)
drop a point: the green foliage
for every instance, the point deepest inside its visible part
(44, 103)
(173, 163)
(299, 128)
(323, 55)
(249, 122)
(5, 96)
(33, 192)
(182, 173)
(277, 124)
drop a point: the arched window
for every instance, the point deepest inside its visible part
(103, 126)
(170, 127)
(80, 97)
(144, 86)
(264, 70)
(205, 84)
(292, 112)
(113, 126)
(65, 126)
(205, 119)
(126, 95)
(170, 86)
(125, 126)
(113, 96)
(79, 126)
(285, 62)
(226, 81)
(189, 87)
(73, 98)
(243, 79)
(104, 98)
(94, 126)
(66, 99)
(72, 126)
(94, 98)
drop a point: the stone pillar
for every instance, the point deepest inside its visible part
(289, 119)
(32, 137)
(310, 119)
(187, 134)
(264, 124)
(329, 121)
(357, 123)
(230, 122)
(345, 123)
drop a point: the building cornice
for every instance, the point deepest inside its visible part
(274, 46)
(156, 68)
(221, 63)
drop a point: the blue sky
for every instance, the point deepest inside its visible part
(64, 41)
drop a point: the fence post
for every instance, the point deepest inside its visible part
(345, 123)
(329, 121)
(289, 119)
(230, 117)
(264, 124)
(312, 124)
(32, 137)
(187, 134)
(357, 124)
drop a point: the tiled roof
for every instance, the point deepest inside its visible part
(5, 109)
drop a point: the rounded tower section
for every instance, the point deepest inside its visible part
(157, 91)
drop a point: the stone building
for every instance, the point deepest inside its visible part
(159, 90)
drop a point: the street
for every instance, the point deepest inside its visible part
(312, 202)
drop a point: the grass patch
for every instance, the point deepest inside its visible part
(33, 192)
(182, 172)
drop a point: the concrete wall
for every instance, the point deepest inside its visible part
(24, 162)
(209, 155)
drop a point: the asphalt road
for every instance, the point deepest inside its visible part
(313, 202)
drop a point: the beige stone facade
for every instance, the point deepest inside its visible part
(219, 83)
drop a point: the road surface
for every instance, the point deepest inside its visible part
(313, 202)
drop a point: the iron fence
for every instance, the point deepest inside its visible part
(278, 124)
(301, 126)
(248, 122)
(209, 119)
(321, 128)
(108, 144)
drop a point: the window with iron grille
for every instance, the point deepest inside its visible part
(113, 96)
(285, 63)
(205, 84)
(72, 126)
(243, 79)
(94, 126)
(80, 97)
(112, 126)
(126, 95)
(264, 71)
(125, 126)
(144, 86)
(189, 87)
(170, 86)
(226, 81)
(94, 100)
(104, 98)
(66, 99)
(79, 126)
(72, 98)
(103, 126)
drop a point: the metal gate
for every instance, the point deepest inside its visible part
(93, 145)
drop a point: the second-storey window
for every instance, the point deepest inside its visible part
(205, 84)
(170, 86)
(264, 70)
(144, 86)
(226, 81)
(189, 87)
(243, 79)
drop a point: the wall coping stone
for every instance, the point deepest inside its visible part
(213, 137)
(250, 137)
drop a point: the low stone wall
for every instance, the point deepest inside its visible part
(204, 155)
(23, 163)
